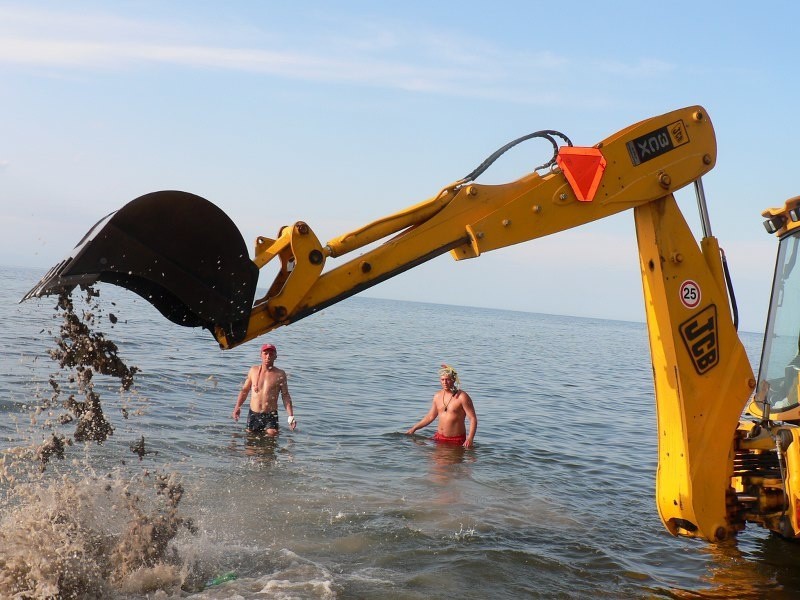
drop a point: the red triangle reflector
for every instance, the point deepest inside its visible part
(583, 168)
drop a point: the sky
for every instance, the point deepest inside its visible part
(340, 113)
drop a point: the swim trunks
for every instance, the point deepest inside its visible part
(257, 421)
(443, 439)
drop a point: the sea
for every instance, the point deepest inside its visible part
(555, 500)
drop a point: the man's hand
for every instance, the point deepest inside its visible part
(236, 412)
(292, 422)
(467, 444)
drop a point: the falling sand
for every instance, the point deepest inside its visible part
(77, 533)
(86, 351)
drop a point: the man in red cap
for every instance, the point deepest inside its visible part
(266, 381)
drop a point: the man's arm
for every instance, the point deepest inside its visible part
(242, 397)
(473, 419)
(427, 419)
(287, 400)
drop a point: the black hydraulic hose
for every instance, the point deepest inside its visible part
(731, 295)
(545, 133)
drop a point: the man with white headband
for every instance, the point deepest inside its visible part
(451, 406)
(266, 381)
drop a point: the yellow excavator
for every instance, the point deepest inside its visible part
(728, 446)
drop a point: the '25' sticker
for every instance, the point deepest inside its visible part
(690, 294)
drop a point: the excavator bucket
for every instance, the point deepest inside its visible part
(176, 250)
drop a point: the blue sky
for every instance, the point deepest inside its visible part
(340, 113)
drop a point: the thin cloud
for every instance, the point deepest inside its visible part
(644, 68)
(110, 55)
(395, 56)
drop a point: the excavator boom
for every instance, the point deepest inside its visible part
(184, 255)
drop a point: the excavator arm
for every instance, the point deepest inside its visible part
(184, 255)
(702, 376)
(637, 166)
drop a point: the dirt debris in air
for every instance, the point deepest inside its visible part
(76, 533)
(84, 351)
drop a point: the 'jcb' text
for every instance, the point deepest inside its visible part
(700, 337)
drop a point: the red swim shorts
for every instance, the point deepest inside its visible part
(443, 439)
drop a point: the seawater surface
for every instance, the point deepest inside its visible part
(556, 500)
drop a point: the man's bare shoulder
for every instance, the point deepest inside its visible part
(463, 397)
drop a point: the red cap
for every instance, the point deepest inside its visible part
(269, 347)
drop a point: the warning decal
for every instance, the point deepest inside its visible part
(690, 294)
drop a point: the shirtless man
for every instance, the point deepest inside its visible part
(266, 381)
(451, 405)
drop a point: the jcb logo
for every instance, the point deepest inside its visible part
(700, 336)
(677, 132)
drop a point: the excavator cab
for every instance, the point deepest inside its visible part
(176, 250)
(777, 396)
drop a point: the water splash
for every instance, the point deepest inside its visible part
(74, 532)
(86, 535)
